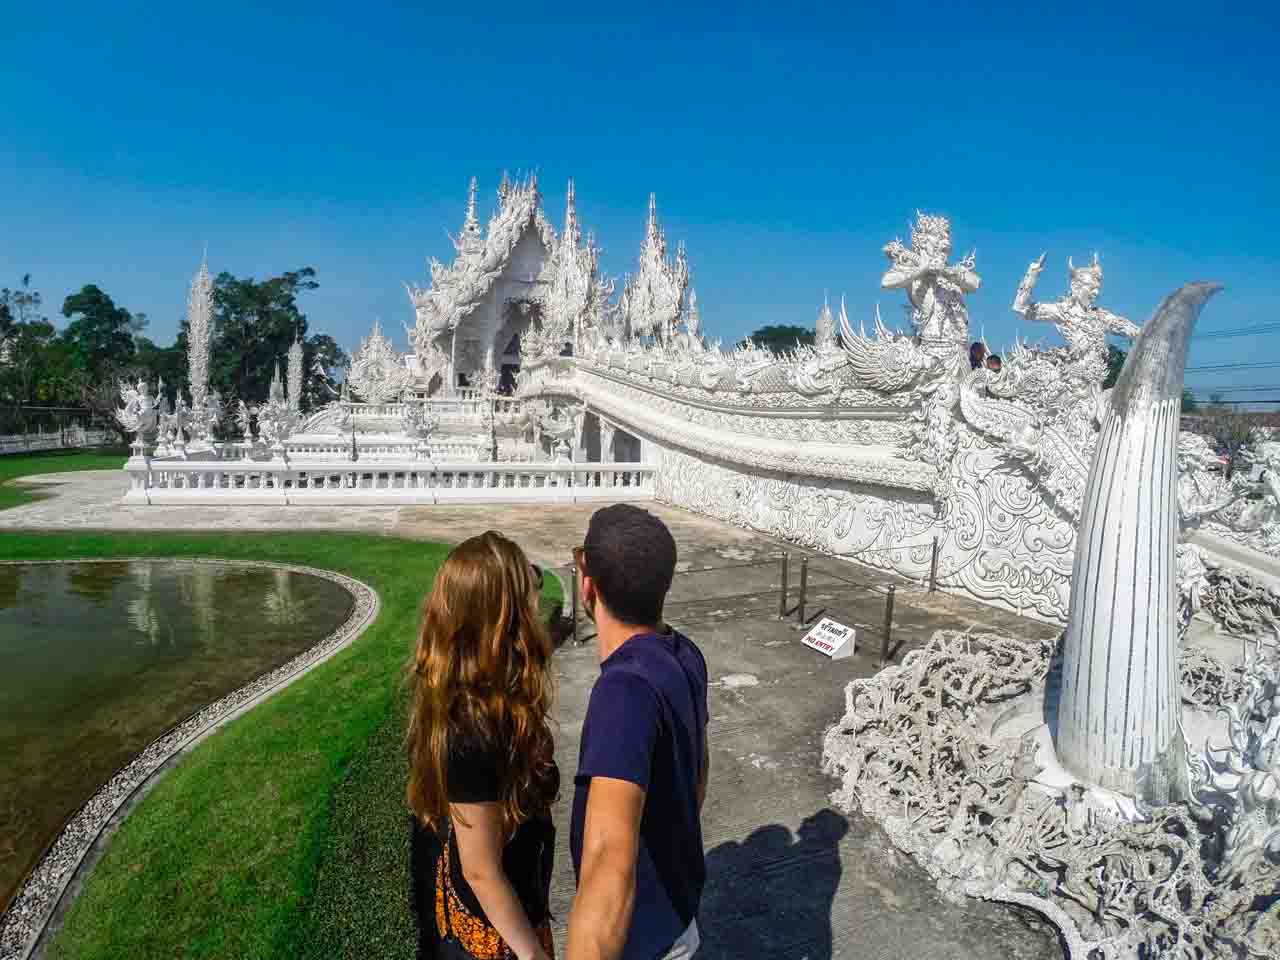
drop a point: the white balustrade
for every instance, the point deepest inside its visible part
(404, 482)
(70, 438)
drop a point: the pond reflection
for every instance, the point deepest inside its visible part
(99, 659)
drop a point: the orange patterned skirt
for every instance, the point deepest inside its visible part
(476, 935)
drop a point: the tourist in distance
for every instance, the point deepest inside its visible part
(994, 363)
(483, 776)
(977, 354)
(635, 832)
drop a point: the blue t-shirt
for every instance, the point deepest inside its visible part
(646, 724)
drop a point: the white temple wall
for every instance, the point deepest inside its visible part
(997, 540)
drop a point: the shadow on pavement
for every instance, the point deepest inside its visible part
(771, 894)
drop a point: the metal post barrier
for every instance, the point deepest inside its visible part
(782, 597)
(933, 567)
(573, 591)
(888, 626)
(804, 584)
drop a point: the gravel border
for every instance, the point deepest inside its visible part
(24, 923)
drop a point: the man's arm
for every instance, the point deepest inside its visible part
(601, 916)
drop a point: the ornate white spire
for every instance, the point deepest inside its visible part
(571, 229)
(824, 330)
(276, 391)
(471, 237)
(295, 375)
(199, 332)
(693, 319)
(656, 292)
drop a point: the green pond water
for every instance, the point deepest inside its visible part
(99, 659)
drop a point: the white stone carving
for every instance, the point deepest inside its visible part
(294, 376)
(1238, 784)
(915, 751)
(139, 415)
(199, 335)
(654, 298)
(377, 372)
(1082, 324)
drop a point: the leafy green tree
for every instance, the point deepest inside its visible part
(1189, 402)
(255, 323)
(780, 338)
(154, 362)
(100, 334)
(321, 358)
(28, 363)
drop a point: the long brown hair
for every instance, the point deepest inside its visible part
(482, 670)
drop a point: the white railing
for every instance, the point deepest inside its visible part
(445, 451)
(469, 403)
(336, 482)
(68, 439)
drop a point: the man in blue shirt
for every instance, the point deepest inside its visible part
(635, 832)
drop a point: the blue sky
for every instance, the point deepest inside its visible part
(786, 146)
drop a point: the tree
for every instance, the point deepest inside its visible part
(1189, 402)
(1115, 363)
(28, 361)
(154, 362)
(780, 338)
(100, 334)
(254, 324)
(1228, 428)
(20, 305)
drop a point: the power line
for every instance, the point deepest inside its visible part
(1255, 330)
(1243, 365)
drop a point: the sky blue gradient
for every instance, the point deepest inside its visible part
(786, 146)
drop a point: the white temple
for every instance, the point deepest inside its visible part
(534, 378)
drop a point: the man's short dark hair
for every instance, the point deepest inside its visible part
(631, 556)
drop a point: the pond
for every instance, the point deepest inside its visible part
(99, 659)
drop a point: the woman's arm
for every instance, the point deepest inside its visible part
(478, 827)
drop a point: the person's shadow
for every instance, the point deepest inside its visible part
(771, 895)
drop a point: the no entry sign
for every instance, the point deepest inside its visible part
(831, 639)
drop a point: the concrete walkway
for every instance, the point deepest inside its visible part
(788, 876)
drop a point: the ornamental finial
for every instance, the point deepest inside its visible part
(653, 214)
(571, 231)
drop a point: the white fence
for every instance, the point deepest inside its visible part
(343, 482)
(67, 439)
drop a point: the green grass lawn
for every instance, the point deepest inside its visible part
(285, 833)
(14, 465)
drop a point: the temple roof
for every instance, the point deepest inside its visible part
(456, 290)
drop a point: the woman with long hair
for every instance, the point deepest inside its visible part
(483, 777)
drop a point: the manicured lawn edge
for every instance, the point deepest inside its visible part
(221, 858)
(33, 907)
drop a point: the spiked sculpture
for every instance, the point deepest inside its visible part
(295, 376)
(1118, 722)
(199, 333)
